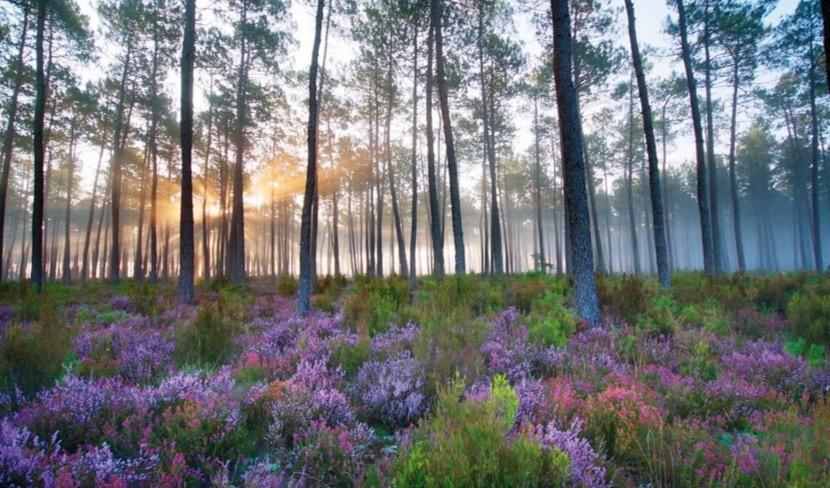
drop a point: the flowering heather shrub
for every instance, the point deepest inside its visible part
(762, 363)
(119, 303)
(311, 394)
(134, 352)
(507, 349)
(88, 412)
(585, 466)
(614, 416)
(392, 391)
(395, 340)
(22, 455)
(329, 456)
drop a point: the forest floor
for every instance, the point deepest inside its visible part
(466, 382)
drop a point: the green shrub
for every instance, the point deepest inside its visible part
(773, 293)
(32, 357)
(143, 297)
(550, 323)
(374, 304)
(813, 353)
(444, 345)
(627, 297)
(660, 317)
(287, 285)
(350, 357)
(707, 315)
(467, 444)
(208, 341)
(809, 316)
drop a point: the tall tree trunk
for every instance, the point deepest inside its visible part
(85, 254)
(37, 130)
(154, 116)
(115, 198)
(489, 148)
(585, 294)
(629, 177)
(206, 170)
(436, 9)
(814, 170)
(66, 272)
(138, 259)
(717, 259)
(186, 291)
(702, 188)
(306, 279)
(733, 179)
(8, 137)
(434, 220)
(658, 219)
(537, 188)
(413, 229)
(236, 244)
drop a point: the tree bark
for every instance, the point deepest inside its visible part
(236, 244)
(37, 130)
(814, 170)
(306, 279)
(717, 259)
(658, 219)
(186, 291)
(8, 137)
(115, 198)
(436, 12)
(570, 127)
(702, 188)
(413, 229)
(434, 220)
(733, 179)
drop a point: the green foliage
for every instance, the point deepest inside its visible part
(375, 304)
(627, 297)
(111, 316)
(550, 323)
(813, 353)
(287, 285)
(350, 357)
(32, 357)
(660, 317)
(445, 345)
(208, 341)
(809, 315)
(143, 297)
(707, 315)
(466, 443)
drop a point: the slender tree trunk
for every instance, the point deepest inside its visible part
(733, 179)
(8, 137)
(236, 244)
(306, 279)
(115, 198)
(495, 218)
(37, 130)
(436, 9)
(94, 199)
(434, 220)
(585, 295)
(138, 260)
(186, 291)
(154, 116)
(537, 188)
(702, 188)
(658, 219)
(629, 177)
(814, 170)
(66, 272)
(413, 229)
(717, 259)
(206, 170)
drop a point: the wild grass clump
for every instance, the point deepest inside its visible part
(32, 354)
(208, 340)
(809, 315)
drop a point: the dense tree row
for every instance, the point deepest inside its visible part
(411, 116)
